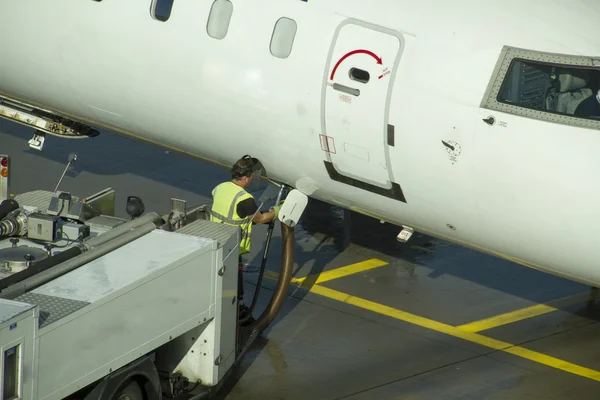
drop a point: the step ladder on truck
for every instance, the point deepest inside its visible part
(93, 306)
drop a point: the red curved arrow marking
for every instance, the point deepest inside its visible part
(379, 60)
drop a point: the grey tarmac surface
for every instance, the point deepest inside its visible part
(397, 331)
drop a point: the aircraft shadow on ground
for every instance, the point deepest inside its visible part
(111, 154)
(323, 224)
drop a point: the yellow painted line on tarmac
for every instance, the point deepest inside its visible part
(466, 332)
(525, 313)
(456, 332)
(344, 271)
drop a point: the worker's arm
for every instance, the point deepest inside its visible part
(249, 207)
(263, 218)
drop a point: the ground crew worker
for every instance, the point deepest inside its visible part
(232, 205)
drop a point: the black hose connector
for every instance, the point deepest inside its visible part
(8, 206)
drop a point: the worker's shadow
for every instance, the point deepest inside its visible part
(319, 239)
(323, 234)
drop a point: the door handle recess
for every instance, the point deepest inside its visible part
(346, 89)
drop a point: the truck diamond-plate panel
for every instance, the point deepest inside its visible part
(51, 308)
(37, 198)
(203, 228)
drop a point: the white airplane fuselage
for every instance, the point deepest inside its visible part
(410, 146)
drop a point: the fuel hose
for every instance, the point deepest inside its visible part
(283, 282)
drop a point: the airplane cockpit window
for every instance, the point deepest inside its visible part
(161, 9)
(219, 18)
(544, 87)
(555, 88)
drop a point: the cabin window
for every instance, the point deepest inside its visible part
(161, 9)
(283, 37)
(219, 18)
(359, 75)
(550, 87)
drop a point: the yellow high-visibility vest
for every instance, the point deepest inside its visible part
(226, 197)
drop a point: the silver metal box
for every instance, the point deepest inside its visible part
(71, 231)
(42, 227)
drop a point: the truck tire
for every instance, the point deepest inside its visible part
(130, 391)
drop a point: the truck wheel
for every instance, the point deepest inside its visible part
(131, 391)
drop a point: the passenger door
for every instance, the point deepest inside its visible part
(357, 90)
